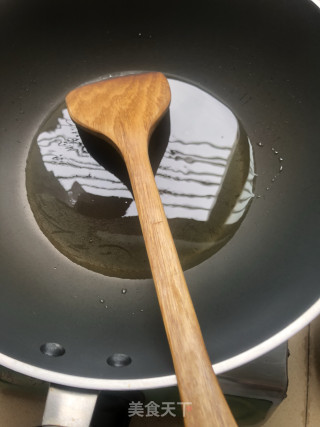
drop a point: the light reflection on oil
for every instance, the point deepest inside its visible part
(204, 172)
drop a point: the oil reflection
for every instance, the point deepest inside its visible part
(204, 172)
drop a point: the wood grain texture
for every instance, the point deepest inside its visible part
(125, 110)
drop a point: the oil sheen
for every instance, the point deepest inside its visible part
(80, 194)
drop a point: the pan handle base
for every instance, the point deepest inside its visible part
(68, 407)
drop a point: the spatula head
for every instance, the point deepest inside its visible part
(122, 109)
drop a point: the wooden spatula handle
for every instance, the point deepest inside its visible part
(196, 379)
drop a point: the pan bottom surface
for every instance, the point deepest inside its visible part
(80, 193)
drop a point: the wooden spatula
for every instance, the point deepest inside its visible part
(125, 111)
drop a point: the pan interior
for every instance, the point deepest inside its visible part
(81, 198)
(262, 60)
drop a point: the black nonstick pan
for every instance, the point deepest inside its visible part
(72, 320)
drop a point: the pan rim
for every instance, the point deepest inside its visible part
(164, 381)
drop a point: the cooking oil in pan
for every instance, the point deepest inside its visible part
(79, 191)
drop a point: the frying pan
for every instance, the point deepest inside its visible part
(261, 59)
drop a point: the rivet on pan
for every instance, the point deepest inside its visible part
(119, 360)
(52, 349)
